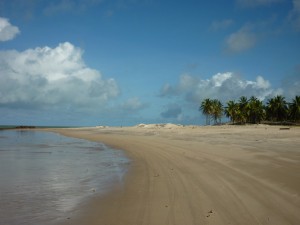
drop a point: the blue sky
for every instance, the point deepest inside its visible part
(125, 62)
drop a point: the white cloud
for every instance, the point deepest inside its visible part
(52, 78)
(7, 31)
(241, 40)
(223, 86)
(255, 3)
(218, 79)
(133, 104)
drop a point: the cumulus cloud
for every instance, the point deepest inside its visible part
(186, 83)
(7, 31)
(52, 77)
(255, 3)
(241, 40)
(133, 104)
(223, 86)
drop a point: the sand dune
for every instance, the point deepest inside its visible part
(199, 175)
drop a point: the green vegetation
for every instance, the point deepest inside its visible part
(212, 109)
(252, 110)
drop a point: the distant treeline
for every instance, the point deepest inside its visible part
(25, 127)
(252, 110)
(8, 127)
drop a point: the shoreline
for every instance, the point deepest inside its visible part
(198, 175)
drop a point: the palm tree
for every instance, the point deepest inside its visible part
(270, 109)
(244, 109)
(232, 111)
(294, 109)
(217, 111)
(256, 111)
(277, 108)
(252, 110)
(241, 117)
(206, 109)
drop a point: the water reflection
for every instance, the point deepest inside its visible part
(44, 176)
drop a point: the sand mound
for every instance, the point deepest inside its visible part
(159, 126)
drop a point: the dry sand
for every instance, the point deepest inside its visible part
(199, 175)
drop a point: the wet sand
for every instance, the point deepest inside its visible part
(199, 175)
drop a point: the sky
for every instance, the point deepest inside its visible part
(126, 62)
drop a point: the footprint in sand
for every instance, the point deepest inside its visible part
(209, 213)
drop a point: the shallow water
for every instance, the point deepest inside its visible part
(45, 176)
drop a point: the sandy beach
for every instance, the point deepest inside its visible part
(190, 175)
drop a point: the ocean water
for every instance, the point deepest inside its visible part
(44, 177)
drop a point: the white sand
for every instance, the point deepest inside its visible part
(241, 175)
